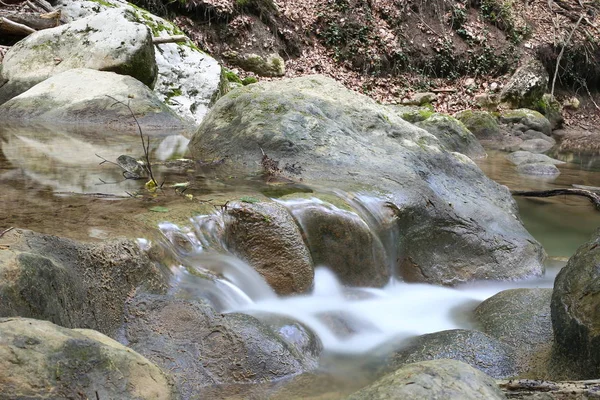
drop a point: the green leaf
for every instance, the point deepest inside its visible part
(159, 209)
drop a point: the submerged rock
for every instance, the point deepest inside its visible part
(44, 361)
(439, 379)
(536, 145)
(88, 97)
(527, 157)
(266, 236)
(72, 284)
(576, 309)
(109, 41)
(455, 224)
(202, 347)
(538, 169)
(475, 348)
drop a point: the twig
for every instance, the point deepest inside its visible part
(94, 194)
(6, 231)
(593, 197)
(104, 160)
(169, 39)
(32, 6)
(145, 145)
(589, 94)
(562, 51)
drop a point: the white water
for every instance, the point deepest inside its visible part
(348, 320)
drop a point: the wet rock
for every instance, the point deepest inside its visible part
(272, 65)
(527, 157)
(72, 284)
(81, 96)
(531, 134)
(266, 236)
(454, 224)
(343, 242)
(520, 318)
(538, 168)
(482, 124)
(439, 379)
(45, 361)
(475, 348)
(527, 85)
(188, 79)
(453, 135)
(109, 41)
(536, 145)
(576, 309)
(529, 118)
(202, 347)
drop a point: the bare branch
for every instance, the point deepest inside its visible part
(562, 51)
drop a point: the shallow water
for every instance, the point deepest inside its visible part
(48, 178)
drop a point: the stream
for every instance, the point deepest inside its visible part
(52, 183)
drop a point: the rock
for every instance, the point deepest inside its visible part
(531, 134)
(272, 65)
(412, 114)
(87, 97)
(109, 41)
(487, 101)
(576, 309)
(530, 118)
(72, 284)
(573, 103)
(527, 157)
(343, 242)
(202, 347)
(481, 123)
(527, 85)
(453, 134)
(266, 236)
(520, 318)
(44, 361)
(188, 80)
(536, 145)
(551, 109)
(475, 348)
(420, 99)
(456, 224)
(428, 380)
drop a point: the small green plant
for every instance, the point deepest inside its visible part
(249, 80)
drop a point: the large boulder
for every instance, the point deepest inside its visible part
(72, 284)
(576, 309)
(453, 134)
(427, 380)
(481, 351)
(340, 240)
(109, 41)
(188, 80)
(455, 224)
(202, 347)
(527, 85)
(266, 236)
(88, 97)
(482, 124)
(44, 361)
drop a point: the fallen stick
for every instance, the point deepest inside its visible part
(169, 39)
(593, 197)
(13, 28)
(515, 389)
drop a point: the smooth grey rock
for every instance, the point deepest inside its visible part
(536, 145)
(576, 309)
(527, 119)
(538, 168)
(456, 224)
(87, 97)
(531, 134)
(109, 41)
(41, 360)
(188, 80)
(527, 157)
(72, 284)
(453, 134)
(481, 351)
(419, 99)
(428, 380)
(202, 347)
(527, 85)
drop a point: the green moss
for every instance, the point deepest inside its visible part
(249, 80)
(173, 93)
(104, 3)
(232, 76)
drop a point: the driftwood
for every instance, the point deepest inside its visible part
(525, 388)
(593, 197)
(33, 21)
(169, 39)
(9, 27)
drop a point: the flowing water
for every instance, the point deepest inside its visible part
(53, 183)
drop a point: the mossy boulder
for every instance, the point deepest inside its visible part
(109, 41)
(530, 119)
(412, 114)
(72, 284)
(551, 109)
(45, 361)
(576, 309)
(269, 65)
(453, 134)
(483, 124)
(438, 379)
(527, 85)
